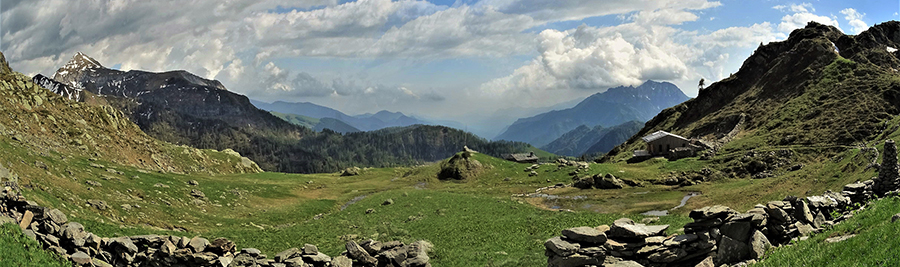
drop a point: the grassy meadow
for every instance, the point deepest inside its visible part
(478, 222)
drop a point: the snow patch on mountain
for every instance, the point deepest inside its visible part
(58, 87)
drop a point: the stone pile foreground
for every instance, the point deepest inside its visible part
(719, 235)
(51, 228)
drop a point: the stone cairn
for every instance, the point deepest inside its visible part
(719, 235)
(51, 228)
(888, 177)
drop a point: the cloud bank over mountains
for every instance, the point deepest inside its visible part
(361, 55)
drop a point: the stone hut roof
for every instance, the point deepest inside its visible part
(522, 157)
(660, 134)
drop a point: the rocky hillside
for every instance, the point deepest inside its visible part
(612, 107)
(819, 87)
(39, 122)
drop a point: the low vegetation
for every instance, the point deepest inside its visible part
(873, 242)
(18, 250)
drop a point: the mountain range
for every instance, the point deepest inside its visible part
(317, 125)
(609, 108)
(182, 108)
(363, 122)
(584, 140)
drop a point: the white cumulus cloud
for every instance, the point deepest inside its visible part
(801, 15)
(647, 48)
(855, 19)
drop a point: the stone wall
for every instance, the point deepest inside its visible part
(719, 235)
(51, 228)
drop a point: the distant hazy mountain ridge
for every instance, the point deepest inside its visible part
(597, 140)
(612, 107)
(363, 122)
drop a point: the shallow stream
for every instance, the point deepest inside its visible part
(666, 212)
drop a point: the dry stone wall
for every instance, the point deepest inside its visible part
(51, 228)
(719, 235)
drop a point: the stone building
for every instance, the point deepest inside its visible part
(662, 143)
(522, 158)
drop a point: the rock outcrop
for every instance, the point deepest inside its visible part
(607, 181)
(460, 167)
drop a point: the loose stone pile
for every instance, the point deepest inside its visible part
(719, 235)
(607, 181)
(51, 228)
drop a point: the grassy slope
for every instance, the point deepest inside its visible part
(301, 120)
(474, 222)
(875, 243)
(18, 250)
(275, 211)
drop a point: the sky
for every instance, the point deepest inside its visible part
(483, 63)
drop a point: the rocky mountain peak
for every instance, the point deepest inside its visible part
(79, 64)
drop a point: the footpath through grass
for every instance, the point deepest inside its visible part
(18, 250)
(875, 244)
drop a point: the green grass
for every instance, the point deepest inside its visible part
(475, 222)
(295, 119)
(875, 243)
(18, 250)
(467, 230)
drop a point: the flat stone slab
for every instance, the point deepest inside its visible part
(678, 240)
(81, 258)
(838, 238)
(629, 229)
(717, 211)
(561, 247)
(585, 234)
(625, 264)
